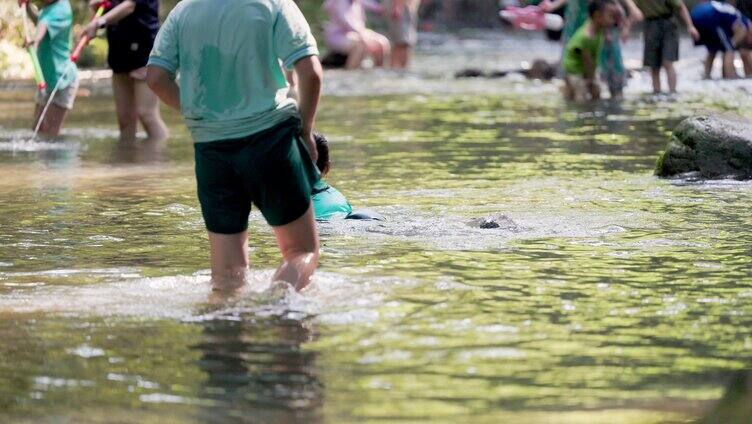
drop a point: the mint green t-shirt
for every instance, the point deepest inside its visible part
(329, 203)
(227, 55)
(54, 49)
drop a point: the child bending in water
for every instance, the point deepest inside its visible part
(328, 202)
(53, 46)
(583, 50)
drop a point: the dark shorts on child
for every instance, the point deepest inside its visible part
(271, 169)
(661, 41)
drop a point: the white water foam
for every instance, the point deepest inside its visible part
(190, 298)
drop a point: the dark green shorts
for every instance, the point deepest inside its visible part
(271, 169)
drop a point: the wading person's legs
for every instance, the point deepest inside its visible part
(53, 120)
(125, 105)
(655, 74)
(670, 75)
(378, 48)
(356, 50)
(729, 70)
(229, 260)
(147, 110)
(746, 56)
(299, 243)
(709, 61)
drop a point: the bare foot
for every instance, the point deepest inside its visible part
(229, 284)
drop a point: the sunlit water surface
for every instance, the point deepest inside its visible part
(607, 295)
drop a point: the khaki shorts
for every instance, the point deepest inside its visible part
(404, 31)
(65, 97)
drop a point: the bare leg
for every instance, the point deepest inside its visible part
(379, 48)
(655, 73)
(729, 70)
(53, 120)
(299, 243)
(147, 109)
(229, 260)
(357, 51)
(746, 56)
(125, 105)
(709, 64)
(670, 75)
(399, 56)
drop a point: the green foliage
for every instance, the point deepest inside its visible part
(95, 55)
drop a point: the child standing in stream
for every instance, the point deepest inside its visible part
(582, 51)
(252, 142)
(53, 45)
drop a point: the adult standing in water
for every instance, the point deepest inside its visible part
(132, 26)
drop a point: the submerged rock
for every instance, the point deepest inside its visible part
(494, 221)
(712, 145)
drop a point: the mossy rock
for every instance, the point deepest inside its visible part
(713, 146)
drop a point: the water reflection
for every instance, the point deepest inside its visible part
(139, 151)
(258, 369)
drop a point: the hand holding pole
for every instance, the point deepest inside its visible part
(38, 76)
(85, 39)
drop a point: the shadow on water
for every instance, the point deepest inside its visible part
(735, 407)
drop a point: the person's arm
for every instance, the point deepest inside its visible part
(684, 13)
(292, 80)
(39, 36)
(309, 76)
(30, 10)
(162, 83)
(552, 5)
(115, 15)
(635, 15)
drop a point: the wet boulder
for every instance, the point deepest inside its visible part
(494, 221)
(713, 146)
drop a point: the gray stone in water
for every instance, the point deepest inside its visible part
(494, 221)
(712, 145)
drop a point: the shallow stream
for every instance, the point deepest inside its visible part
(606, 295)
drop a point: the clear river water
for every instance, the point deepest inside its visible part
(606, 295)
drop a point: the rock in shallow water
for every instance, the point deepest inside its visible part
(494, 221)
(714, 146)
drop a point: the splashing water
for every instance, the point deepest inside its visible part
(604, 294)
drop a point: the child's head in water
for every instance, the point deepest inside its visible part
(322, 146)
(603, 13)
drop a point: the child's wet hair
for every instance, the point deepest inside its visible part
(599, 6)
(322, 147)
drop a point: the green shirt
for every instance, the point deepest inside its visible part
(54, 49)
(579, 43)
(228, 55)
(329, 203)
(658, 8)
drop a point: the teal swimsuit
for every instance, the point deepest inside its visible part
(329, 203)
